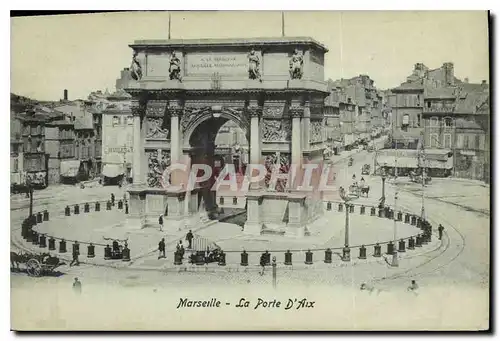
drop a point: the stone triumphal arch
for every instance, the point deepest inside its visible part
(185, 90)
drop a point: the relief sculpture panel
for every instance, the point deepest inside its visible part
(316, 129)
(155, 129)
(281, 160)
(155, 169)
(276, 130)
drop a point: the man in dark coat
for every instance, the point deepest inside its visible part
(161, 248)
(76, 253)
(189, 238)
(440, 230)
(160, 222)
(112, 199)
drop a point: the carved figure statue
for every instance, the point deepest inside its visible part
(175, 67)
(135, 68)
(155, 129)
(296, 64)
(253, 65)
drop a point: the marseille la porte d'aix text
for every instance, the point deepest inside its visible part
(290, 303)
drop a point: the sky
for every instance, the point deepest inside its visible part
(85, 52)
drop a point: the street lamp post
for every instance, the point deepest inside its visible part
(395, 262)
(346, 251)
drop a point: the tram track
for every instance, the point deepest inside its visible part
(435, 219)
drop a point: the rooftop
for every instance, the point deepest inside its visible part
(231, 42)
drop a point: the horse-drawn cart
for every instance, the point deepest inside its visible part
(36, 265)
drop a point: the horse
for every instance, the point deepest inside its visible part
(15, 259)
(365, 190)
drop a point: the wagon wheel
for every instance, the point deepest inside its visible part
(34, 268)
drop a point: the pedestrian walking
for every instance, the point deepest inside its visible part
(77, 286)
(160, 222)
(440, 231)
(180, 248)
(263, 263)
(76, 253)
(161, 249)
(189, 238)
(413, 286)
(112, 199)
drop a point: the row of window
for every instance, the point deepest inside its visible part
(128, 120)
(435, 122)
(473, 142)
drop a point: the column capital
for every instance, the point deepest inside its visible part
(296, 111)
(254, 110)
(175, 111)
(138, 108)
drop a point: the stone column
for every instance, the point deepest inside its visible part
(253, 224)
(175, 197)
(255, 113)
(137, 204)
(306, 126)
(296, 159)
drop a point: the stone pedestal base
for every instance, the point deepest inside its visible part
(136, 218)
(253, 225)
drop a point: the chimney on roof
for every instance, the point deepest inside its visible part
(449, 73)
(65, 94)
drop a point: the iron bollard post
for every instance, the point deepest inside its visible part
(222, 260)
(67, 211)
(91, 251)
(362, 252)
(411, 243)
(407, 218)
(43, 241)
(288, 258)
(52, 244)
(309, 257)
(377, 250)
(390, 248)
(45, 215)
(328, 256)
(107, 252)
(402, 246)
(62, 246)
(418, 241)
(97, 206)
(244, 258)
(86, 208)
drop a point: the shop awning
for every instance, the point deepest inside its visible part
(69, 168)
(448, 164)
(403, 162)
(112, 170)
